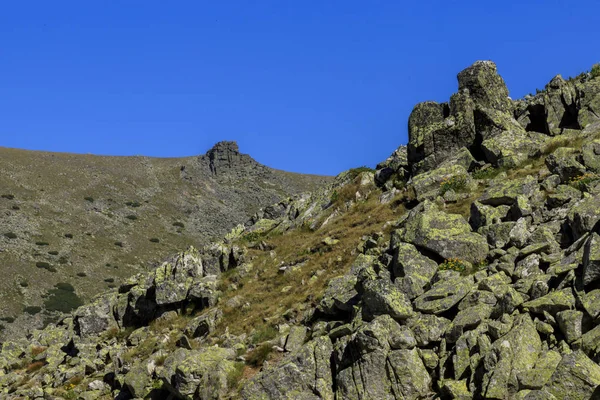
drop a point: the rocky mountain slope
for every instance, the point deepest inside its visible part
(76, 225)
(467, 266)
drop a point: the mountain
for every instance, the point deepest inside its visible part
(85, 223)
(467, 266)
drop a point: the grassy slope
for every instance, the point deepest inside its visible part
(93, 198)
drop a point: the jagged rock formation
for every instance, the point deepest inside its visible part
(86, 223)
(484, 283)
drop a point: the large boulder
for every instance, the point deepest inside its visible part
(445, 235)
(411, 270)
(485, 86)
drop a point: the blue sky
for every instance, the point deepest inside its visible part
(307, 86)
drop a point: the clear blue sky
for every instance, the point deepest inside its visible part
(308, 86)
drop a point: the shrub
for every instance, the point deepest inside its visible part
(155, 240)
(8, 196)
(32, 310)
(63, 260)
(16, 207)
(45, 265)
(259, 355)
(263, 333)
(582, 182)
(10, 235)
(235, 375)
(133, 204)
(132, 217)
(42, 243)
(334, 197)
(456, 183)
(595, 72)
(354, 172)
(179, 224)
(53, 252)
(81, 274)
(488, 173)
(62, 298)
(88, 198)
(109, 280)
(10, 320)
(120, 244)
(24, 284)
(453, 264)
(69, 235)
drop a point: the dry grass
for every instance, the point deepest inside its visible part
(35, 366)
(270, 293)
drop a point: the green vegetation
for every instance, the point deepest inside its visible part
(179, 224)
(155, 240)
(62, 298)
(264, 333)
(69, 235)
(131, 217)
(53, 252)
(88, 198)
(584, 181)
(455, 183)
(8, 196)
(354, 172)
(133, 204)
(45, 265)
(488, 173)
(595, 72)
(10, 235)
(32, 310)
(258, 356)
(453, 264)
(42, 243)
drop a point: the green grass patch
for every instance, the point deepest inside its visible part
(45, 265)
(88, 198)
(8, 196)
(42, 243)
(132, 217)
(32, 310)
(179, 224)
(155, 240)
(10, 235)
(595, 72)
(259, 355)
(455, 183)
(62, 298)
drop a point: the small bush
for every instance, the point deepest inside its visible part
(16, 207)
(24, 284)
(179, 224)
(584, 181)
(258, 356)
(42, 243)
(63, 260)
(8, 196)
(32, 310)
(235, 375)
(595, 72)
(488, 173)
(453, 264)
(354, 172)
(81, 274)
(264, 333)
(155, 240)
(88, 198)
(456, 183)
(45, 265)
(134, 204)
(10, 235)
(62, 298)
(69, 235)
(53, 252)
(10, 320)
(109, 280)
(334, 197)
(119, 244)
(132, 217)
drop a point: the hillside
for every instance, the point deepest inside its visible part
(76, 225)
(467, 266)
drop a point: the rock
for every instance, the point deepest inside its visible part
(427, 185)
(591, 259)
(591, 303)
(482, 215)
(591, 155)
(340, 295)
(512, 148)
(467, 319)
(410, 377)
(295, 339)
(428, 329)
(412, 271)
(443, 295)
(545, 366)
(198, 373)
(382, 297)
(583, 217)
(562, 195)
(137, 380)
(447, 235)
(519, 234)
(571, 323)
(485, 86)
(304, 374)
(563, 163)
(505, 192)
(576, 377)
(554, 302)
(96, 317)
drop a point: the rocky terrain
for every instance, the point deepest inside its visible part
(76, 225)
(467, 266)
